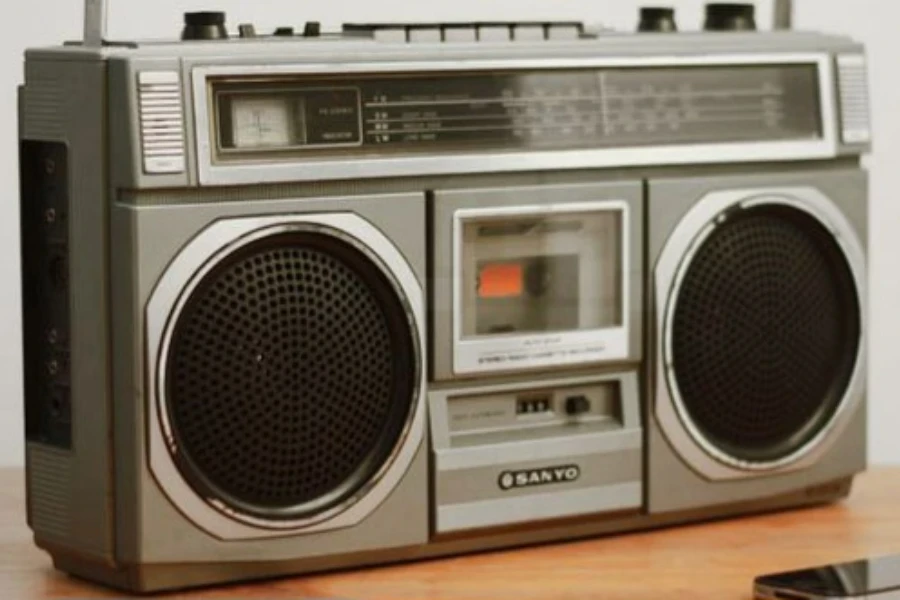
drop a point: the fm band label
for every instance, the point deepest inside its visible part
(511, 480)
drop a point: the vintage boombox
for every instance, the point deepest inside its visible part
(305, 301)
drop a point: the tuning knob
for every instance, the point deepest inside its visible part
(730, 17)
(657, 19)
(204, 26)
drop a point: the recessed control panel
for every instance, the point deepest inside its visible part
(505, 454)
(599, 404)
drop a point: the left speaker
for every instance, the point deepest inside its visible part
(287, 366)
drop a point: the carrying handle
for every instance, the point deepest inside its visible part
(95, 14)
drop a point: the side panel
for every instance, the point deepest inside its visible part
(70, 492)
(672, 484)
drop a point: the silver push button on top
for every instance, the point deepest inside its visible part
(487, 32)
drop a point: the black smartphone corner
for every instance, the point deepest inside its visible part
(877, 578)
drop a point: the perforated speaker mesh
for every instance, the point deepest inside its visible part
(290, 377)
(766, 330)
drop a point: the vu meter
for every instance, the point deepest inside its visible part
(264, 122)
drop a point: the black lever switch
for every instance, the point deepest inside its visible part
(577, 405)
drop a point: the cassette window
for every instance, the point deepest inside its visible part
(533, 273)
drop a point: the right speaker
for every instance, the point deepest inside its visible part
(759, 335)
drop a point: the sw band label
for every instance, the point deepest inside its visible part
(512, 480)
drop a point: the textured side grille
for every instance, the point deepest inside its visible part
(45, 111)
(856, 126)
(162, 122)
(765, 333)
(49, 492)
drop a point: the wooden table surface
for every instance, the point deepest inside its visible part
(710, 561)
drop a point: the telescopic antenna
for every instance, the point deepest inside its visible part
(784, 14)
(94, 22)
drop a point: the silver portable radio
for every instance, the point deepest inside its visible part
(304, 301)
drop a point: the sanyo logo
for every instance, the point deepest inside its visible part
(510, 480)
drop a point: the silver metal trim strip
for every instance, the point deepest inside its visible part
(445, 164)
(563, 448)
(487, 513)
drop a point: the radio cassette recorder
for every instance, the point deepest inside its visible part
(303, 301)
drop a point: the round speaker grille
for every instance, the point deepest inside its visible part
(765, 333)
(290, 377)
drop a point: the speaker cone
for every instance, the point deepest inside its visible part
(765, 333)
(291, 375)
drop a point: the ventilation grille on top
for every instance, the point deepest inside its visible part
(162, 122)
(854, 89)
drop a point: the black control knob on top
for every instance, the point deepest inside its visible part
(204, 26)
(722, 16)
(312, 29)
(657, 19)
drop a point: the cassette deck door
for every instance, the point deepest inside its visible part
(536, 277)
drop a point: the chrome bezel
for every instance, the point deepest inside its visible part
(188, 268)
(358, 167)
(684, 241)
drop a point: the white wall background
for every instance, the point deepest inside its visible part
(41, 22)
